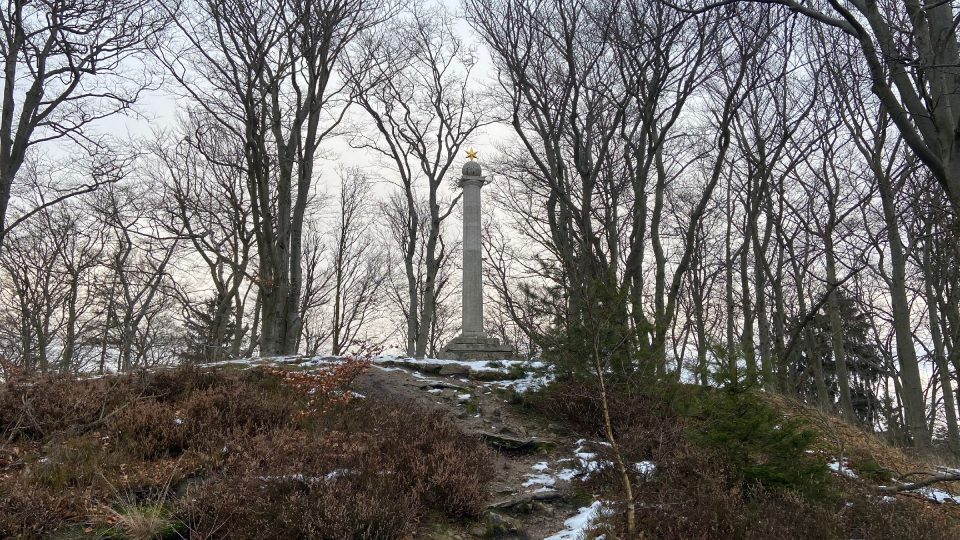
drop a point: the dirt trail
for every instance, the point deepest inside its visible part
(531, 495)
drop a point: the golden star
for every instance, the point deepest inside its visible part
(471, 154)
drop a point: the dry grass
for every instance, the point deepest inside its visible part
(144, 521)
(837, 438)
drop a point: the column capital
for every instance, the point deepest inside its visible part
(467, 180)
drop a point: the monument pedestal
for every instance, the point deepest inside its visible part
(477, 347)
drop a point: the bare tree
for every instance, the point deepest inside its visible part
(67, 64)
(397, 287)
(358, 266)
(870, 129)
(317, 288)
(268, 75)
(30, 263)
(911, 51)
(601, 169)
(201, 175)
(134, 291)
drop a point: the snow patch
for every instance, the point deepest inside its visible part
(645, 468)
(528, 383)
(546, 480)
(587, 460)
(499, 366)
(842, 468)
(938, 495)
(577, 526)
(541, 477)
(305, 479)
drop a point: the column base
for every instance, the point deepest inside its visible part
(477, 347)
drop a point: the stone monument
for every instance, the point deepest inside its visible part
(473, 343)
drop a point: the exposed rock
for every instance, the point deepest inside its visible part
(513, 444)
(502, 527)
(516, 439)
(440, 385)
(454, 369)
(477, 347)
(415, 366)
(527, 501)
(495, 375)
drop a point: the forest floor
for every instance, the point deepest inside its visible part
(191, 451)
(535, 492)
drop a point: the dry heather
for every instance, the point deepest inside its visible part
(215, 454)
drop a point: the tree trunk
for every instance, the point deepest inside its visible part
(822, 397)
(836, 330)
(728, 271)
(909, 368)
(747, 342)
(940, 357)
(69, 340)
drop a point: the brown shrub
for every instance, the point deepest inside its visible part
(428, 457)
(28, 512)
(52, 405)
(169, 385)
(150, 430)
(689, 497)
(230, 456)
(254, 506)
(72, 462)
(868, 515)
(324, 387)
(373, 471)
(222, 413)
(218, 411)
(695, 493)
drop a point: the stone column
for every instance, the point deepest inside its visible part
(473, 343)
(472, 257)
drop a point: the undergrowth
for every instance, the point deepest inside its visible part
(728, 465)
(217, 454)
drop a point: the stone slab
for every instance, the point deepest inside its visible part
(477, 348)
